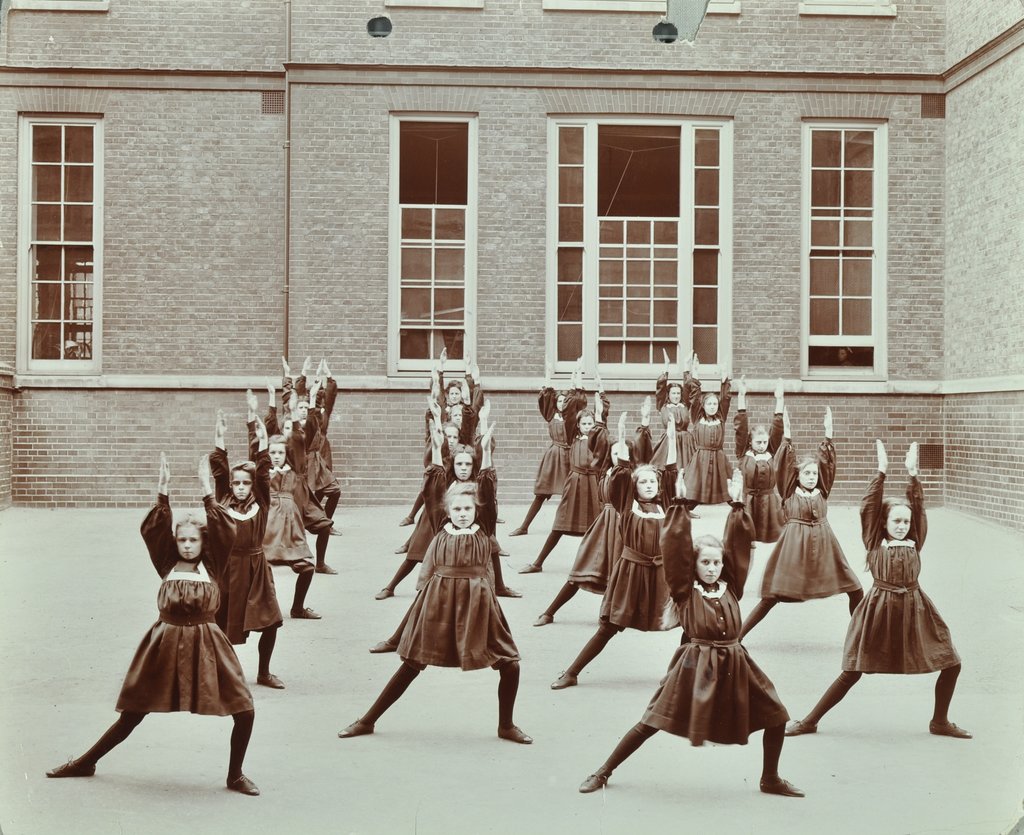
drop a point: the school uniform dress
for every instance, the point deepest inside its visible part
(896, 627)
(759, 478)
(435, 482)
(637, 596)
(581, 495)
(807, 562)
(707, 472)
(713, 691)
(455, 619)
(554, 463)
(678, 413)
(185, 662)
(248, 597)
(285, 539)
(601, 543)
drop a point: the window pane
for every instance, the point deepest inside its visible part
(46, 304)
(857, 233)
(824, 277)
(609, 352)
(665, 313)
(857, 188)
(451, 340)
(706, 187)
(570, 223)
(416, 223)
(570, 264)
(825, 317)
(415, 263)
(824, 188)
(611, 312)
(856, 277)
(638, 352)
(47, 263)
(46, 183)
(448, 305)
(77, 183)
(46, 143)
(78, 302)
(638, 171)
(638, 232)
(78, 143)
(666, 232)
(705, 344)
(570, 342)
(857, 317)
(570, 303)
(570, 185)
(824, 233)
(611, 273)
(638, 273)
(415, 305)
(665, 273)
(450, 224)
(414, 344)
(611, 232)
(705, 266)
(825, 149)
(706, 147)
(449, 264)
(705, 226)
(860, 149)
(832, 357)
(46, 223)
(671, 348)
(77, 341)
(570, 146)
(638, 313)
(705, 306)
(433, 162)
(46, 341)
(78, 223)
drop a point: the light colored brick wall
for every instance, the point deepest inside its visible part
(8, 228)
(143, 34)
(6, 434)
(769, 35)
(971, 24)
(985, 455)
(984, 218)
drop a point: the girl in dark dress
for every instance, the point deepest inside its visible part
(755, 458)
(896, 628)
(248, 597)
(185, 662)
(673, 401)
(707, 471)
(713, 691)
(455, 619)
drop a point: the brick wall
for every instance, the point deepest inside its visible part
(6, 434)
(971, 24)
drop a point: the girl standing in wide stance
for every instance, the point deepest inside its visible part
(185, 662)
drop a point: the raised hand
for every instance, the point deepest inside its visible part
(786, 429)
(307, 366)
(689, 361)
(164, 482)
(293, 405)
(205, 475)
(327, 370)
(261, 434)
(735, 486)
(695, 368)
(779, 389)
(220, 428)
(443, 358)
(883, 456)
(485, 411)
(485, 440)
(271, 391)
(828, 422)
(287, 369)
(741, 386)
(621, 435)
(251, 402)
(645, 411)
(598, 408)
(912, 460)
(664, 356)
(598, 384)
(681, 485)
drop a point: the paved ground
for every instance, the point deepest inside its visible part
(79, 593)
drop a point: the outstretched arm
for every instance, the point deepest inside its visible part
(739, 534)
(219, 458)
(157, 531)
(677, 547)
(915, 498)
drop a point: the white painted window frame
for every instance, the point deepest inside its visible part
(24, 362)
(396, 365)
(722, 7)
(434, 4)
(879, 275)
(591, 234)
(61, 5)
(848, 8)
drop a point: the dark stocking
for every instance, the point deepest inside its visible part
(549, 545)
(833, 696)
(532, 512)
(855, 598)
(944, 687)
(772, 744)
(266, 648)
(508, 686)
(391, 693)
(239, 742)
(763, 607)
(592, 649)
(634, 738)
(565, 594)
(302, 583)
(416, 505)
(115, 735)
(499, 581)
(404, 570)
(333, 495)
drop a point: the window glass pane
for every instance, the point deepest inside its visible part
(78, 223)
(46, 183)
(46, 143)
(706, 187)
(416, 223)
(705, 306)
(570, 145)
(570, 264)
(611, 232)
(570, 342)
(824, 233)
(450, 224)
(451, 340)
(46, 223)
(78, 302)
(705, 266)
(857, 233)
(415, 305)
(705, 147)
(638, 273)
(570, 303)
(666, 232)
(78, 143)
(638, 171)
(415, 263)
(638, 352)
(77, 341)
(856, 277)
(841, 357)
(47, 263)
(857, 188)
(638, 313)
(570, 185)
(665, 273)
(433, 162)
(824, 317)
(46, 341)
(860, 149)
(705, 226)
(570, 223)
(78, 183)
(824, 188)
(705, 344)
(448, 305)
(414, 344)
(47, 304)
(857, 317)
(449, 264)
(666, 313)
(824, 277)
(609, 352)
(638, 232)
(825, 148)
(611, 273)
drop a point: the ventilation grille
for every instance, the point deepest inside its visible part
(931, 456)
(271, 102)
(933, 106)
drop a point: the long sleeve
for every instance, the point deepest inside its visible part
(599, 447)
(330, 390)
(547, 403)
(775, 433)
(661, 391)
(271, 422)
(220, 536)
(918, 518)
(677, 552)
(261, 483)
(434, 486)
(785, 469)
(643, 449)
(159, 536)
(724, 399)
(826, 466)
(487, 499)
(253, 441)
(221, 473)
(427, 567)
(295, 449)
(740, 424)
(872, 525)
(739, 534)
(620, 488)
(575, 402)
(668, 478)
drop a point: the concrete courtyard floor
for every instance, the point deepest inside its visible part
(79, 593)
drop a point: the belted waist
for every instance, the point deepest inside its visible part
(642, 559)
(583, 470)
(705, 642)
(186, 620)
(810, 523)
(759, 491)
(562, 444)
(250, 551)
(882, 584)
(708, 448)
(460, 572)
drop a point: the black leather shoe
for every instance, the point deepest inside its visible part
(593, 783)
(243, 785)
(515, 734)
(305, 614)
(359, 728)
(948, 729)
(73, 768)
(780, 786)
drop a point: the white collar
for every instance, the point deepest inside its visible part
(287, 468)
(558, 416)
(807, 494)
(759, 456)
(898, 543)
(200, 577)
(711, 595)
(241, 517)
(706, 421)
(643, 514)
(454, 531)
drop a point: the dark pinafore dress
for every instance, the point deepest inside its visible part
(759, 478)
